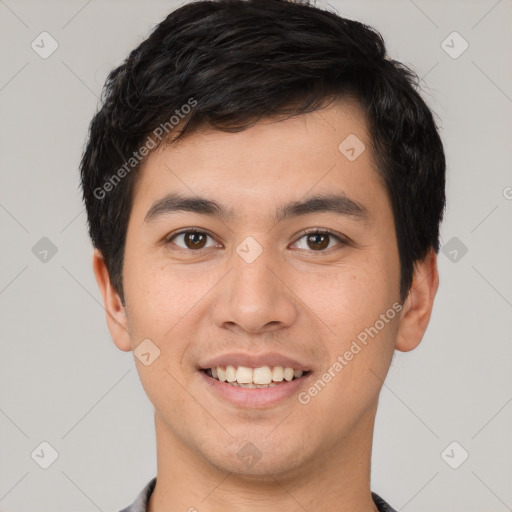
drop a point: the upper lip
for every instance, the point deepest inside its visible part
(253, 361)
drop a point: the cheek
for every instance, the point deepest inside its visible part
(350, 300)
(348, 297)
(359, 341)
(167, 306)
(158, 303)
(158, 296)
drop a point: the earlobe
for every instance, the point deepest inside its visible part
(419, 303)
(114, 309)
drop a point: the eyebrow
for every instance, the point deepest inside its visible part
(339, 204)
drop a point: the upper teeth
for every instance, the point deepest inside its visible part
(261, 375)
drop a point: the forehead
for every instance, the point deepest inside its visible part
(320, 131)
(276, 159)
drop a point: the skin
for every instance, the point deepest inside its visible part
(294, 299)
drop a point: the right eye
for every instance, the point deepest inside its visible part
(192, 239)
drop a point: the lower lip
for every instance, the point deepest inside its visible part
(255, 397)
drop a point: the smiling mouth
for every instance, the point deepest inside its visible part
(261, 377)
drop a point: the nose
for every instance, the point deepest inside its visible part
(255, 297)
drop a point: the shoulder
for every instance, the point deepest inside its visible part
(141, 501)
(382, 505)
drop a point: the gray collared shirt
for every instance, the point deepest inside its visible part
(141, 502)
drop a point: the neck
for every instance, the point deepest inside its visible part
(335, 481)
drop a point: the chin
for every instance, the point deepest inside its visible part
(258, 459)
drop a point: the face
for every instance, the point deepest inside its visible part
(295, 266)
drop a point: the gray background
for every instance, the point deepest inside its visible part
(64, 382)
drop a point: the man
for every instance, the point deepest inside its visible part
(264, 189)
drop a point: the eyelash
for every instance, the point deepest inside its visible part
(315, 231)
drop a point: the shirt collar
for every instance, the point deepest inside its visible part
(141, 502)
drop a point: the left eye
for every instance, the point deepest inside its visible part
(319, 240)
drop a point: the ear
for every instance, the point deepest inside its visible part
(114, 309)
(418, 304)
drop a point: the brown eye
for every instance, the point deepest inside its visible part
(195, 240)
(192, 240)
(318, 241)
